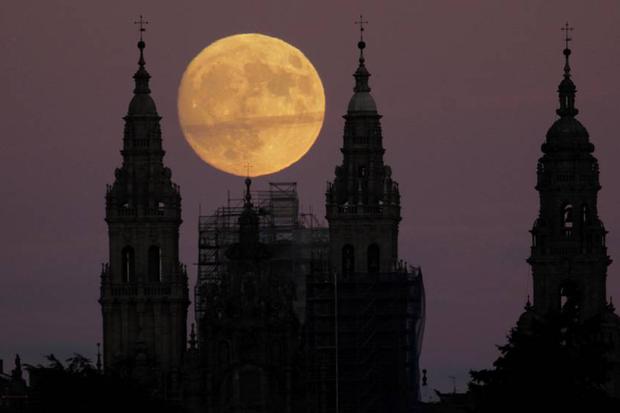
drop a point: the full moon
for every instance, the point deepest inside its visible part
(251, 104)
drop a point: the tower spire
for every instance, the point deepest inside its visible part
(567, 89)
(141, 76)
(361, 44)
(361, 101)
(248, 195)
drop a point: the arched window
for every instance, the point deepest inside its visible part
(584, 214)
(348, 259)
(567, 220)
(567, 216)
(128, 263)
(569, 300)
(362, 171)
(154, 264)
(373, 258)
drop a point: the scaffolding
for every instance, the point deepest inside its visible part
(364, 334)
(298, 240)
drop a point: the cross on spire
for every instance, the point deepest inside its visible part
(247, 168)
(361, 23)
(567, 29)
(142, 23)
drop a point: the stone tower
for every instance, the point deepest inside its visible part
(372, 299)
(363, 203)
(144, 294)
(568, 255)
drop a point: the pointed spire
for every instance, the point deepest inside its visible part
(567, 89)
(248, 194)
(142, 76)
(361, 101)
(142, 104)
(361, 74)
(248, 220)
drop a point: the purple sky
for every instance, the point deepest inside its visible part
(467, 90)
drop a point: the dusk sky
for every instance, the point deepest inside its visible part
(467, 90)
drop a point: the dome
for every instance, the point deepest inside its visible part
(565, 128)
(362, 102)
(142, 104)
(567, 133)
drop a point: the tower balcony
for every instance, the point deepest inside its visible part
(173, 289)
(132, 213)
(362, 210)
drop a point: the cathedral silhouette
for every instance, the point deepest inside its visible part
(293, 316)
(568, 254)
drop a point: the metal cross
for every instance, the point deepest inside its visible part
(567, 29)
(361, 22)
(141, 22)
(247, 167)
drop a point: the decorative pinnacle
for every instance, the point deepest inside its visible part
(361, 44)
(141, 76)
(567, 88)
(567, 29)
(141, 43)
(248, 195)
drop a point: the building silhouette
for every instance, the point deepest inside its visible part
(290, 315)
(13, 388)
(365, 315)
(254, 255)
(144, 293)
(568, 254)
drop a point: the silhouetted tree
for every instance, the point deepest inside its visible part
(556, 365)
(79, 387)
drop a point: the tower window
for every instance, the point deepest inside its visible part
(567, 220)
(373, 258)
(584, 213)
(154, 266)
(569, 301)
(348, 259)
(128, 264)
(567, 217)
